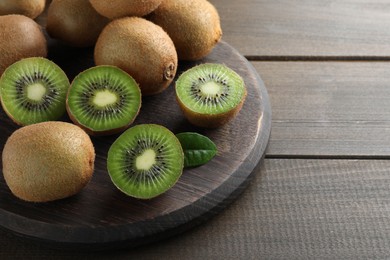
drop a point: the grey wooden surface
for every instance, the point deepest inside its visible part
(328, 109)
(323, 191)
(265, 29)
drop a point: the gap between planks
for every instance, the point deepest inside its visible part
(318, 58)
(327, 157)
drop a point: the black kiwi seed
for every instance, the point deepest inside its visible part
(93, 88)
(29, 94)
(210, 94)
(103, 100)
(145, 161)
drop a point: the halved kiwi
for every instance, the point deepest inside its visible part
(210, 95)
(103, 100)
(145, 161)
(33, 90)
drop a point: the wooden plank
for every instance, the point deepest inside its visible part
(328, 108)
(293, 209)
(309, 28)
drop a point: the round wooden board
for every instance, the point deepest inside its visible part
(101, 217)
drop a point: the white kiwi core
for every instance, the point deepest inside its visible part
(210, 88)
(105, 98)
(36, 91)
(146, 160)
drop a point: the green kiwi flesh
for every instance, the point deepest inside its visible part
(145, 161)
(33, 90)
(103, 100)
(210, 94)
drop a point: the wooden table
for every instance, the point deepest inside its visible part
(323, 190)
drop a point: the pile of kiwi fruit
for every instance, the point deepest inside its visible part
(137, 45)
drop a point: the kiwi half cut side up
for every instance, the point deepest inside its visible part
(210, 95)
(33, 90)
(103, 100)
(145, 161)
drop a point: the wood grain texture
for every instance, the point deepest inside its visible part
(302, 209)
(306, 28)
(295, 207)
(102, 217)
(292, 209)
(328, 109)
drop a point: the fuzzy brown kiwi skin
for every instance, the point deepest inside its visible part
(119, 8)
(142, 49)
(74, 22)
(210, 120)
(29, 8)
(20, 37)
(48, 148)
(194, 26)
(91, 131)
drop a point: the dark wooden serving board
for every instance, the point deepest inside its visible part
(101, 217)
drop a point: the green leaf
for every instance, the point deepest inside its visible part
(198, 149)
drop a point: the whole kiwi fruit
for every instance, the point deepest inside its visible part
(74, 22)
(194, 26)
(118, 8)
(29, 8)
(48, 161)
(142, 49)
(20, 37)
